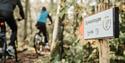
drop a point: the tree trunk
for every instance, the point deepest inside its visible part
(55, 31)
(57, 42)
(26, 18)
(30, 19)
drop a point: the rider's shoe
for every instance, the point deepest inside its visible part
(47, 46)
(10, 51)
(1, 52)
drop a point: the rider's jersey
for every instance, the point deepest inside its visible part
(8, 5)
(43, 16)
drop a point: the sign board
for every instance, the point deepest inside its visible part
(102, 25)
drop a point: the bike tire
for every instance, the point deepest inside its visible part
(3, 57)
(4, 54)
(38, 44)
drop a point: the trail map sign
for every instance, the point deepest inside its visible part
(102, 25)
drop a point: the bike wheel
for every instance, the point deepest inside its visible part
(38, 44)
(3, 54)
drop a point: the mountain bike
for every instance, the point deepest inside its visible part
(40, 46)
(3, 43)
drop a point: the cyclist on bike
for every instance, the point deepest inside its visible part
(6, 11)
(41, 24)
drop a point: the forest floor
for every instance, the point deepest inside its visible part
(28, 55)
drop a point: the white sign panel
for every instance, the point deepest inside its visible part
(99, 25)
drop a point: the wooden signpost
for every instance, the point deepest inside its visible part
(102, 26)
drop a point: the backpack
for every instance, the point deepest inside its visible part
(8, 5)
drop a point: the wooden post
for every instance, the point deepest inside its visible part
(104, 51)
(103, 43)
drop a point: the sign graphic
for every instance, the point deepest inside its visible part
(107, 23)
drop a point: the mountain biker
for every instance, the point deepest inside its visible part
(41, 24)
(6, 11)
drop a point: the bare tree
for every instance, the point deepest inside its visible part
(26, 18)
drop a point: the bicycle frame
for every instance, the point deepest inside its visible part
(2, 32)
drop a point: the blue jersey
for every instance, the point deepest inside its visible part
(43, 16)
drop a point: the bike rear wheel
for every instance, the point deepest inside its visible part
(38, 43)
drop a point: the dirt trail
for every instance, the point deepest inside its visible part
(29, 56)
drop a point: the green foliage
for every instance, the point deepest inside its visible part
(117, 45)
(74, 52)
